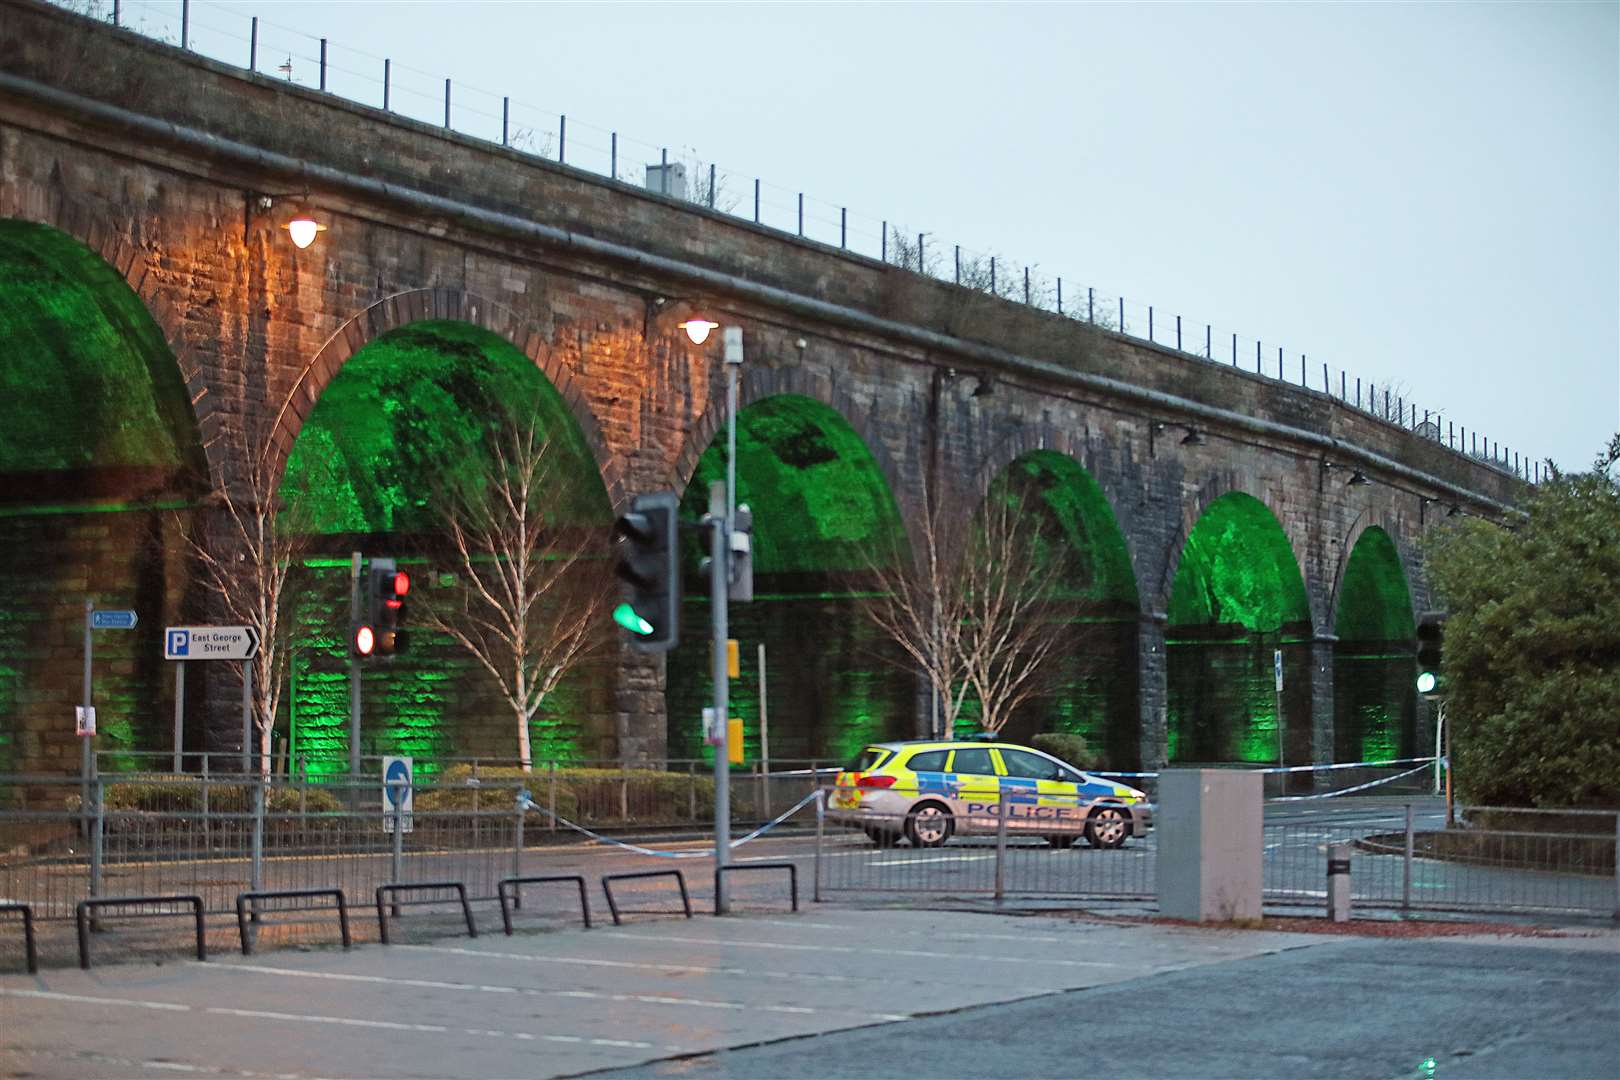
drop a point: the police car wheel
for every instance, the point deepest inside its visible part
(1107, 827)
(929, 825)
(1062, 841)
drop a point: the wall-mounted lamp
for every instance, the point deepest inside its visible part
(302, 225)
(1357, 479)
(986, 386)
(698, 329)
(1191, 435)
(302, 228)
(1453, 510)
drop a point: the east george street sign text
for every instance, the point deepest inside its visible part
(210, 643)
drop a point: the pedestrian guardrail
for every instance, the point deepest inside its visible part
(680, 880)
(736, 868)
(246, 905)
(30, 951)
(507, 891)
(83, 918)
(396, 888)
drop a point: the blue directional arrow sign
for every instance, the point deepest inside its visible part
(397, 793)
(111, 619)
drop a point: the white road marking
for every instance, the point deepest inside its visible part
(667, 969)
(934, 859)
(534, 991)
(339, 1021)
(865, 951)
(941, 935)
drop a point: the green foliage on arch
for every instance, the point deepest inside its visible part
(87, 380)
(820, 502)
(1074, 526)
(1238, 569)
(1375, 603)
(412, 411)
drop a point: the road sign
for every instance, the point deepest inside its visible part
(1276, 664)
(110, 619)
(210, 642)
(84, 720)
(397, 788)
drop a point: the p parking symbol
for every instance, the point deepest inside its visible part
(179, 642)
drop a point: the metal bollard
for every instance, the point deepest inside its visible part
(1338, 882)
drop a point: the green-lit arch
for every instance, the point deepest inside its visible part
(410, 413)
(412, 410)
(1237, 570)
(1076, 525)
(1375, 603)
(1374, 670)
(1092, 676)
(98, 446)
(88, 386)
(823, 512)
(1237, 597)
(820, 501)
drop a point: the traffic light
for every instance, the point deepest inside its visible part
(1430, 636)
(389, 587)
(647, 564)
(382, 609)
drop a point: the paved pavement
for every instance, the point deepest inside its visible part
(567, 1001)
(1358, 1008)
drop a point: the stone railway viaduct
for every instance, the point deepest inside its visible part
(155, 159)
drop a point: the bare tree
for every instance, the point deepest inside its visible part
(919, 604)
(975, 610)
(1014, 622)
(248, 549)
(533, 592)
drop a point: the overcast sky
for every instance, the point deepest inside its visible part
(1423, 194)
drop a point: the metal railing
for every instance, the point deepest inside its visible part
(313, 62)
(1405, 858)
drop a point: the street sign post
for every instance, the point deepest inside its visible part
(182, 643)
(1276, 666)
(113, 619)
(397, 787)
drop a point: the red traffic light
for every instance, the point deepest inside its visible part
(402, 583)
(364, 641)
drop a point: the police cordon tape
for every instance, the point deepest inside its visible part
(1358, 787)
(1296, 769)
(527, 803)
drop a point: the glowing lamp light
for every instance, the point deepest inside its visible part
(698, 329)
(364, 641)
(1426, 683)
(626, 616)
(303, 229)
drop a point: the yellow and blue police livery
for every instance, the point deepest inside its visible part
(930, 791)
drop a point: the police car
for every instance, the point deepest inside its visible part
(930, 791)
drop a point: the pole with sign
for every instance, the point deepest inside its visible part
(397, 785)
(84, 725)
(1276, 666)
(182, 643)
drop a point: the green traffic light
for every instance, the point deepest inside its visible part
(1426, 682)
(626, 616)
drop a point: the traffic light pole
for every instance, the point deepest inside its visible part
(719, 586)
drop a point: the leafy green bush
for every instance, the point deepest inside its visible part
(1532, 645)
(1066, 747)
(183, 795)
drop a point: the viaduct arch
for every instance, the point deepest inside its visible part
(570, 269)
